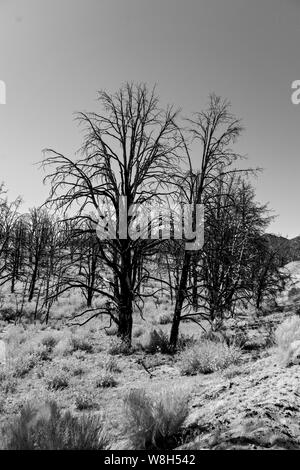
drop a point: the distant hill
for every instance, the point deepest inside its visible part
(289, 249)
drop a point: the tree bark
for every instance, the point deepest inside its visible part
(180, 297)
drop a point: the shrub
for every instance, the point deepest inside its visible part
(209, 357)
(77, 370)
(2, 404)
(155, 422)
(111, 365)
(73, 344)
(58, 381)
(80, 355)
(30, 358)
(287, 338)
(157, 341)
(185, 341)
(63, 347)
(48, 428)
(211, 335)
(117, 346)
(72, 367)
(43, 353)
(8, 313)
(3, 374)
(84, 401)
(235, 338)
(81, 343)
(24, 364)
(270, 335)
(49, 341)
(8, 384)
(106, 381)
(294, 293)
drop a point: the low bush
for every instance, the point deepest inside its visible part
(156, 341)
(24, 364)
(118, 346)
(77, 370)
(294, 293)
(185, 341)
(50, 341)
(111, 365)
(58, 381)
(106, 380)
(74, 343)
(8, 314)
(81, 343)
(8, 384)
(287, 339)
(48, 428)
(84, 401)
(154, 422)
(2, 404)
(208, 357)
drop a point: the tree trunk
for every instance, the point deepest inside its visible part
(125, 314)
(33, 282)
(180, 297)
(125, 322)
(125, 297)
(195, 285)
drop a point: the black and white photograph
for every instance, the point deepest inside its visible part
(149, 228)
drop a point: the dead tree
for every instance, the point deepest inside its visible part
(130, 150)
(215, 130)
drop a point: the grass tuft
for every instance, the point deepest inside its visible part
(154, 422)
(287, 339)
(209, 357)
(48, 428)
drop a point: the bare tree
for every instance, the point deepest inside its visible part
(8, 218)
(234, 220)
(39, 233)
(267, 278)
(215, 129)
(129, 151)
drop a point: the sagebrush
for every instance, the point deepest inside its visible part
(154, 422)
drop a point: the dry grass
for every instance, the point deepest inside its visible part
(156, 341)
(111, 365)
(106, 380)
(208, 357)
(165, 318)
(118, 347)
(85, 401)
(47, 428)
(154, 422)
(287, 338)
(58, 381)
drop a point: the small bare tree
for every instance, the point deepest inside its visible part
(8, 219)
(216, 129)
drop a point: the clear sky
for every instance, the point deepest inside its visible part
(55, 55)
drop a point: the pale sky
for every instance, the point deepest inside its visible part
(55, 55)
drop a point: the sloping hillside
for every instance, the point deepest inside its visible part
(289, 249)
